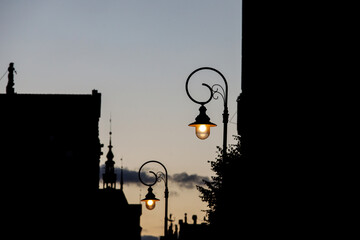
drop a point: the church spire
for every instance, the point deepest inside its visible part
(109, 177)
(110, 155)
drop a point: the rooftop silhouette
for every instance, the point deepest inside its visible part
(50, 154)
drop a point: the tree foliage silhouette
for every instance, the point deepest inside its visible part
(215, 192)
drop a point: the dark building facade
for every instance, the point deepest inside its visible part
(49, 151)
(118, 219)
(280, 179)
(50, 155)
(51, 141)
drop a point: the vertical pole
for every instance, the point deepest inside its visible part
(238, 114)
(166, 210)
(225, 121)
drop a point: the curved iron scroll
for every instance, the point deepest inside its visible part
(158, 176)
(212, 91)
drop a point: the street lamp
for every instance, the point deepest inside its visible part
(202, 122)
(150, 198)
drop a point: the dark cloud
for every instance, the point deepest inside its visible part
(149, 238)
(188, 181)
(183, 179)
(129, 176)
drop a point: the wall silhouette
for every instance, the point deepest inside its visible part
(118, 219)
(50, 151)
(278, 184)
(50, 154)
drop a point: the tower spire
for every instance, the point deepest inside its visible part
(110, 132)
(109, 177)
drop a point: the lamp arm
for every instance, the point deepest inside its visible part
(204, 84)
(224, 93)
(148, 184)
(157, 176)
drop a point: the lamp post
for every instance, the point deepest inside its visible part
(202, 122)
(150, 198)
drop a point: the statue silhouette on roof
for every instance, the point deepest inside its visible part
(10, 86)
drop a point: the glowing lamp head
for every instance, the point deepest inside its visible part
(150, 199)
(202, 124)
(150, 204)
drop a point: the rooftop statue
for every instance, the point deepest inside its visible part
(10, 86)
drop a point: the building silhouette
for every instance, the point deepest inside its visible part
(122, 220)
(188, 231)
(193, 231)
(50, 154)
(282, 179)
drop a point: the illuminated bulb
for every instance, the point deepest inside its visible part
(150, 204)
(202, 131)
(202, 128)
(150, 199)
(202, 124)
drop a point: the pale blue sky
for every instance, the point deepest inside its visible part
(138, 54)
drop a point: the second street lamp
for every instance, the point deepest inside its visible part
(150, 198)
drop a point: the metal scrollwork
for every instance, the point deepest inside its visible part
(214, 90)
(158, 176)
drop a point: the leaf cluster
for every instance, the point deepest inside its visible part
(213, 190)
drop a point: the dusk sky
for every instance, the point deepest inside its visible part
(138, 55)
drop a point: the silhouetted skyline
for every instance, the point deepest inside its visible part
(137, 54)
